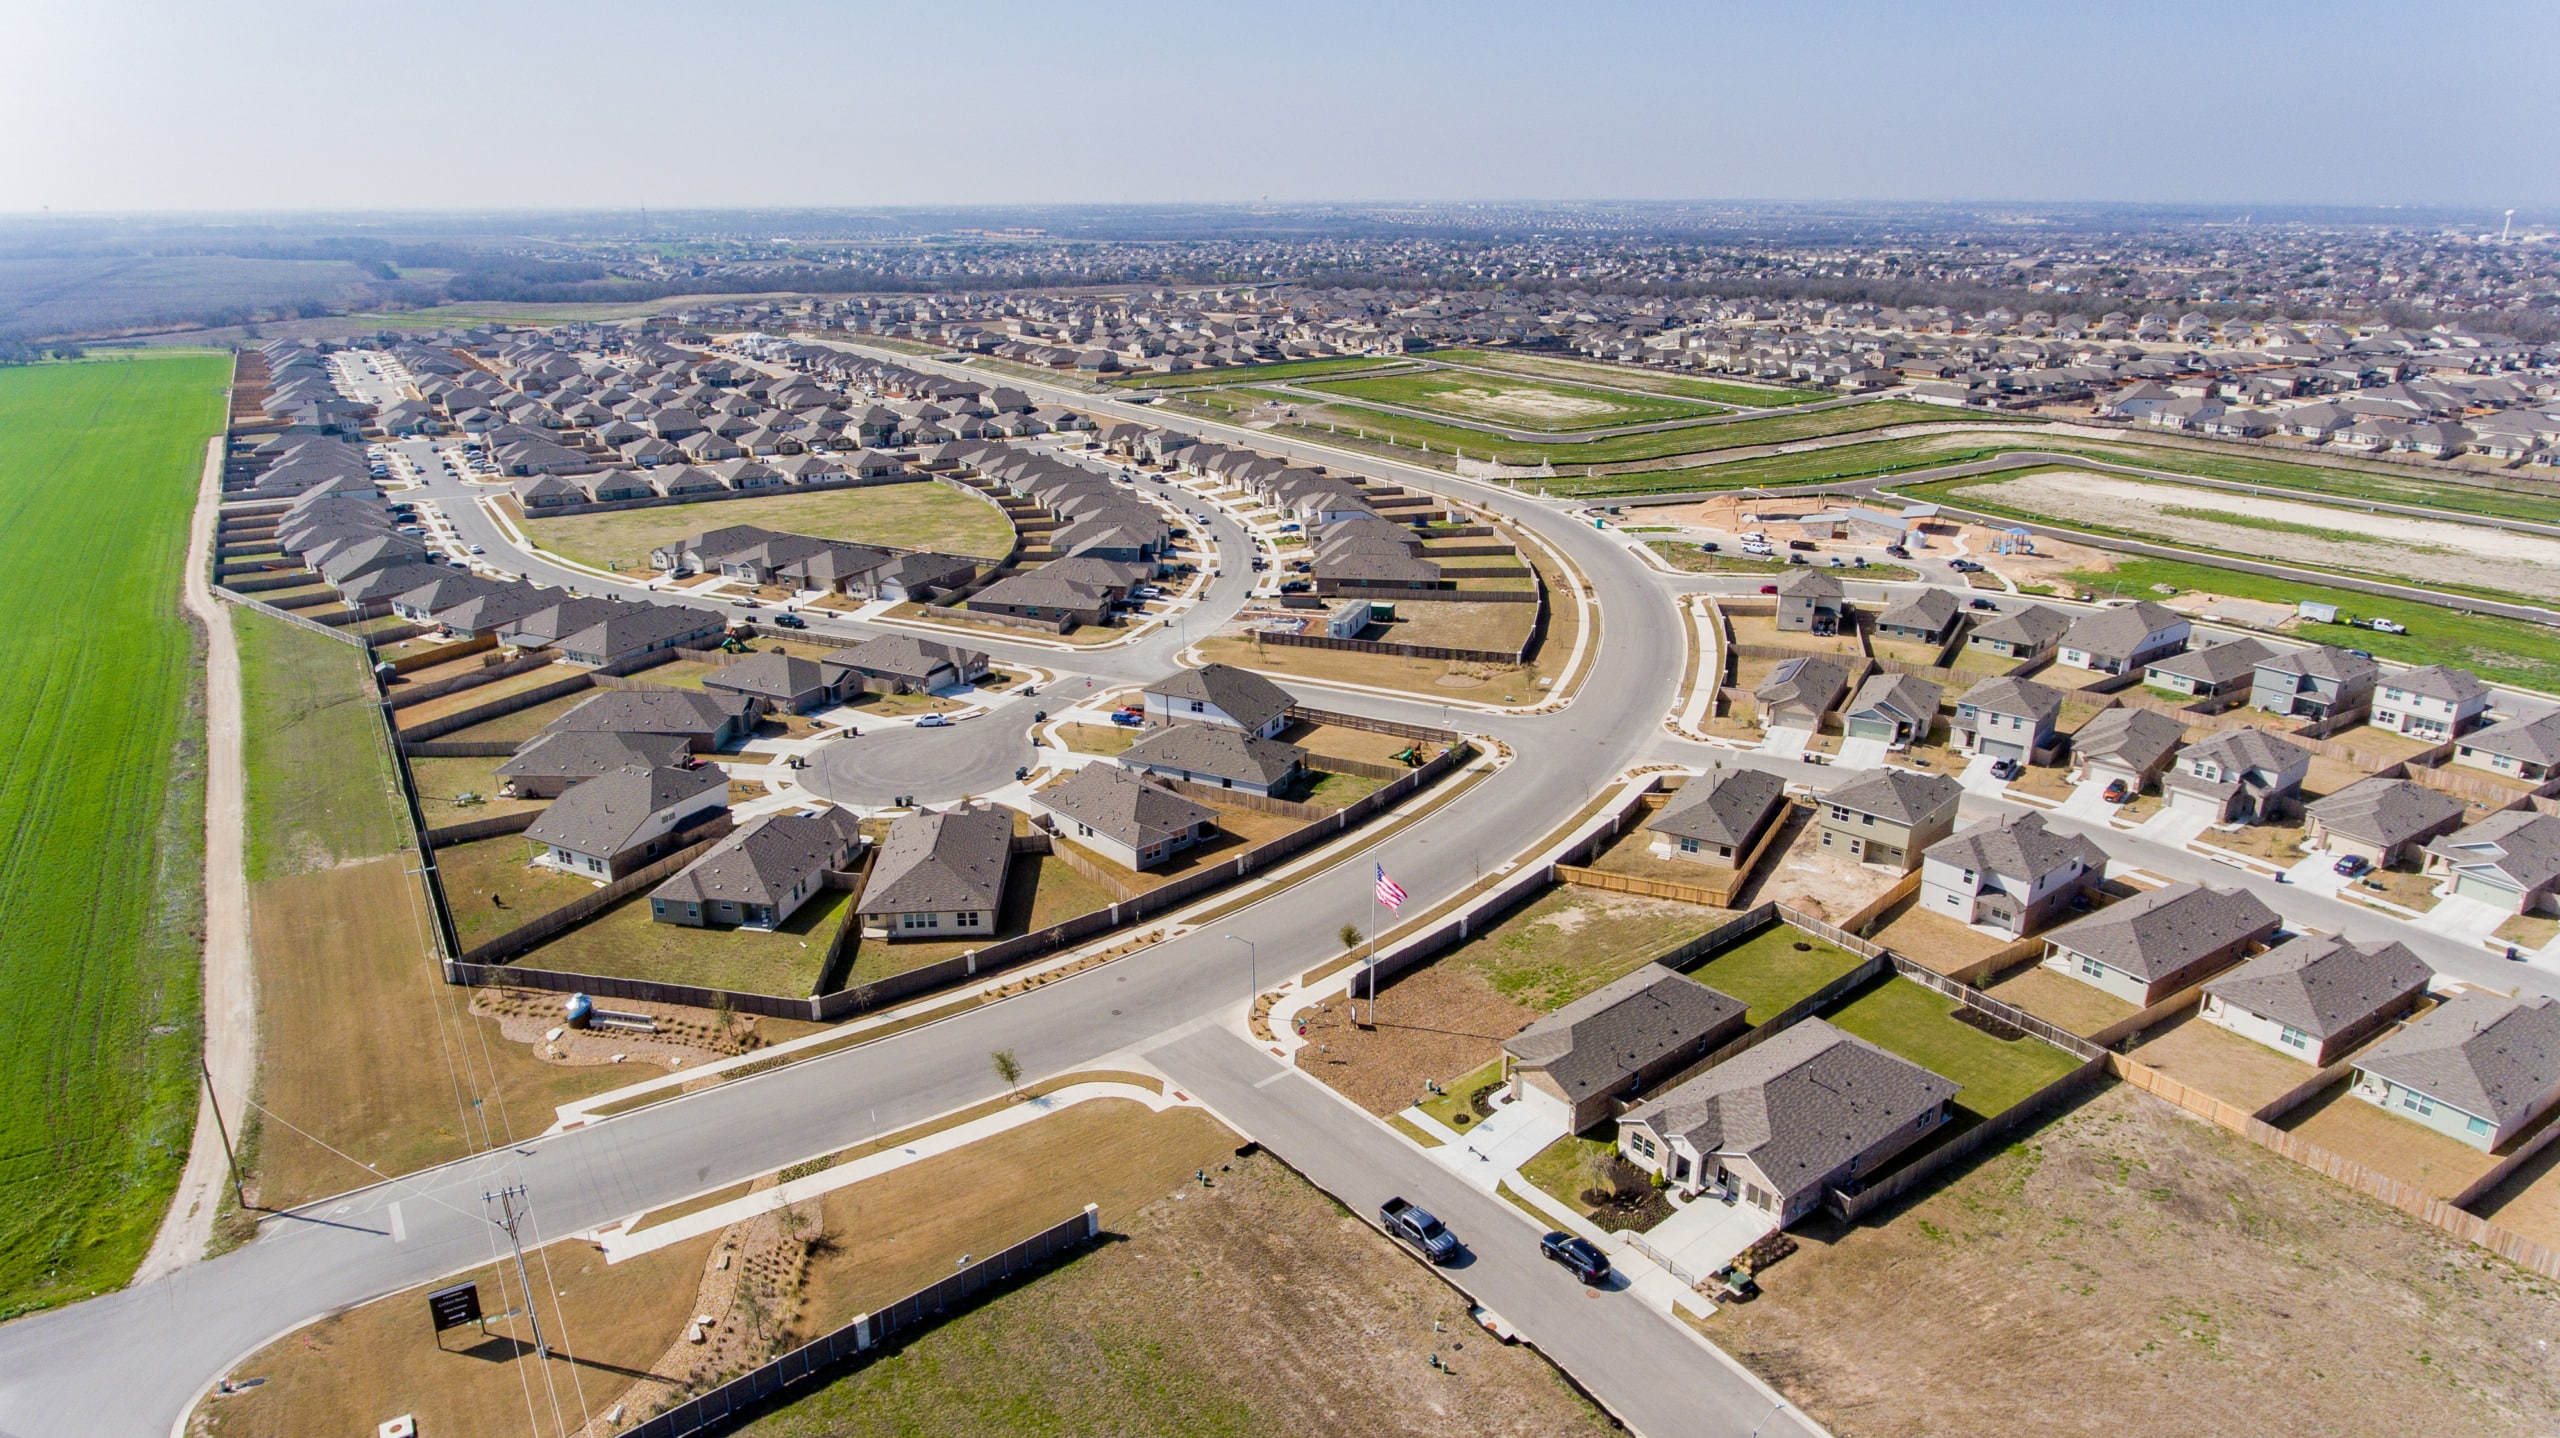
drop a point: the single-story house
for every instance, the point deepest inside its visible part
(2124, 637)
(2210, 671)
(2380, 820)
(1896, 708)
(761, 875)
(1798, 692)
(1216, 757)
(1125, 818)
(1925, 617)
(1220, 694)
(707, 722)
(901, 664)
(2478, 1068)
(615, 823)
(547, 764)
(1615, 1041)
(2526, 749)
(940, 875)
(2316, 996)
(2127, 743)
(2020, 634)
(785, 682)
(1716, 817)
(2150, 946)
(2510, 859)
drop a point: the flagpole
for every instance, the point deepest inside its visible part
(1373, 955)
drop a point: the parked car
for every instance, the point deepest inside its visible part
(1128, 719)
(1580, 1256)
(2353, 866)
(1897, 551)
(2004, 769)
(2117, 791)
(791, 621)
(1768, 589)
(934, 721)
(1984, 604)
(1709, 547)
(1802, 544)
(479, 549)
(1416, 1228)
(1300, 586)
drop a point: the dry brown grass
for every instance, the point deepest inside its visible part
(2387, 1143)
(2060, 999)
(442, 705)
(2241, 1072)
(2131, 1272)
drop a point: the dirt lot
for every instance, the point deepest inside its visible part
(521, 725)
(2060, 999)
(441, 780)
(1763, 629)
(2129, 1271)
(1933, 940)
(1822, 882)
(1253, 1306)
(1434, 1023)
(2387, 1143)
(413, 715)
(2240, 1072)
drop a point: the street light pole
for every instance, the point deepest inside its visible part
(1252, 971)
(1764, 1420)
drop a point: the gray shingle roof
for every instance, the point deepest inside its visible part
(1722, 806)
(2323, 661)
(2117, 631)
(605, 814)
(1898, 796)
(2033, 627)
(2004, 695)
(2322, 984)
(1928, 609)
(2018, 846)
(2490, 1057)
(2439, 681)
(2535, 741)
(1808, 584)
(655, 711)
(2158, 933)
(770, 674)
(2215, 664)
(2389, 812)
(2245, 749)
(1215, 750)
(1911, 698)
(763, 862)
(2138, 738)
(2520, 845)
(903, 656)
(1119, 804)
(586, 753)
(1799, 1105)
(937, 863)
(1245, 696)
(1600, 1041)
(1807, 683)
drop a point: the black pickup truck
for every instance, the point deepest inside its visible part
(1417, 1228)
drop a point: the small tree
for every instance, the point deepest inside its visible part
(723, 1017)
(1598, 1170)
(1350, 936)
(1008, 1068)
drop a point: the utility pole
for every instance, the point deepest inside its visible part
(214, 1101)
(506, 1198)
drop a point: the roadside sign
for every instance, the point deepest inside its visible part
(455, 1306)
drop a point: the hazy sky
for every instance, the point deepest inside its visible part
(261, 104)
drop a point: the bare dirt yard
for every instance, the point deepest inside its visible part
(2130, 1271)
(2333, 537)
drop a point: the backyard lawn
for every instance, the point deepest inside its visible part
(624, 942)
(1917, 1022)
(101, 805)
(922, 515)
(1774, 968)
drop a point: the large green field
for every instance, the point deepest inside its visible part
(1661, 444)
(1523, 403)
(1627, 377)
(922, 515)
(101, 813)
(1257, 373)
(308, 695)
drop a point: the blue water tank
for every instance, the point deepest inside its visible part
(580, 1007)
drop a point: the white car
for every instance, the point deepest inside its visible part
(934, 721)
(476, 549)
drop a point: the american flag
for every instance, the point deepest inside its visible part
(1389, 892)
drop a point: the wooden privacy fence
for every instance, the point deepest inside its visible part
(578, 910)
(413, 694)
(289, 617)
(1331, 719)
(732, 1402)
(1396, 650)
(2031, 1110)
(497, 708)
(491, 827)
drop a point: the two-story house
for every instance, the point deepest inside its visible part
(2012, 876)
(2124, 637)
(1888, 816)
(2248, 775)
(1809, 600)
(2434, 704)
(2007, 719)
(2314, 683)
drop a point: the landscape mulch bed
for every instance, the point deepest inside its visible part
(1433, 1024)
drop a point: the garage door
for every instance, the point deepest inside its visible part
(1871, 729)
(2002, 749)
(2190, 801)
(2485, 891)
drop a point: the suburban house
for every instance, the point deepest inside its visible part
(2211, 671)
(1888, 816)
(2435, 703)
(1798, 692)
(1220, 694)
(2012, 876)
(1217, 757)
(901, 664)
(2007, 719)
(784, 682)
(1125, 818)
(1783, 1123)
(1809, 599)
(2526, 749)
(2127, 743)
(2316, 996)
(2150, 946)
(2478, 1067)
(2248, 775)
(1896, 708)
(1716, 817)
(1048, 598)
(2314, 683)
(636, 630)
(2380, 820)
(615, 823)
(940, 875)
(546, 765)
(1924, 617)
(2020, 634)
(2510, 859)
(2122, 638)
(708, 722)
(759, 876)
(1617, 1040)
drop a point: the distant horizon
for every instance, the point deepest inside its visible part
(862, 105)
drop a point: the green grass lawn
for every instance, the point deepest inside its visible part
(101, 813)
(1626, 377)
(1569, 941)
(1773, 969)
(1663, 444)
(1257, 373)
(1452, 1108)
(1528, 402)
(1917, 1022)
(624, 942)
(306, 697)
(923, 515)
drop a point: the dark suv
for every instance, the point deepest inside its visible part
(1580, 1256)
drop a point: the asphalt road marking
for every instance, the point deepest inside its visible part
(399, 1226)
(1275, 1078)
